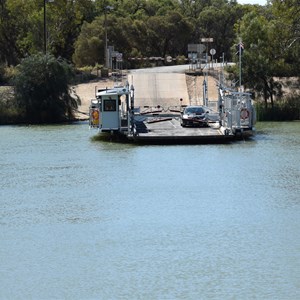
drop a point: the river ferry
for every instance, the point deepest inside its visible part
(113, 111)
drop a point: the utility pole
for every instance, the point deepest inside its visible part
(241, 48)
(45, 25)
(240, 64)
(106, 8)
(45, 29)
(105, 38)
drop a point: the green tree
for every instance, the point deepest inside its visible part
(168, 35)
(89, 47)
(42, 89)
(14, 29)
(260, 59)
(22, 27)
(64, 20)
(272, 45)
(216, 20)
(285, 20)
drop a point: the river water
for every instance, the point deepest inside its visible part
(87, 219)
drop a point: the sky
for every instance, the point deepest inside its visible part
(260, 2)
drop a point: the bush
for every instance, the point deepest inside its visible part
(288, 109)
(180, 60)
(86, 74)
(9, 112)
(42, 89)
(6, 74)
(2, 74)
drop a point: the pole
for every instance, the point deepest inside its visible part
(206, 82)
(105, 43)
(45, 24)
(240, 63)
(45, 29)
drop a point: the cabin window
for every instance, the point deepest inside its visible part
(110, 105)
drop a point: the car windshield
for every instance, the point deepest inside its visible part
(194, 110)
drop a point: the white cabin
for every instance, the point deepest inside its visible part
(111, 110)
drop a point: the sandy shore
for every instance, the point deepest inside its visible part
(86, 92)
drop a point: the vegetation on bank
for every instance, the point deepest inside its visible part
(285, 109)
(9, 113)
(76, 33)
(41, 92)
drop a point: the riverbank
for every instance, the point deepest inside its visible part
(194, 92)
(194, 86)
(86, 92)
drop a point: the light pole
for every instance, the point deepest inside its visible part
(105, 38)
(45, 25)
(106, 8)
(45, 29)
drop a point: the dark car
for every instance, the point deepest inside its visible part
(194, 116)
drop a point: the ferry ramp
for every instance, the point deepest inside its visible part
(163, 89)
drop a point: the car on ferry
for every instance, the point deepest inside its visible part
(194, 116)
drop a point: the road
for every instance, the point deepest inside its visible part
(162, 86)
(165, 86)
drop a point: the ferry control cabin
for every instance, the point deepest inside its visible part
(111, 110)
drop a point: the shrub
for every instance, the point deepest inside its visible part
(287, 109)
(9, 111)
(42, 89)
(6, 74)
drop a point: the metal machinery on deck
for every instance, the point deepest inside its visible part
(112, 110)
(237, 112)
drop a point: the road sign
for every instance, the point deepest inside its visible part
(169, 59)
(212, 51)
(199, 48)
(119, 57)
(207, 40)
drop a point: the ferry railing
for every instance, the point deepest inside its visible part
(238, 112)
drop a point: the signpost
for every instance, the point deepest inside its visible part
(207, 40)
(212, 53)
(194, 54)
(197, 48)
(205, 89)
(169, 59)
(119, 57)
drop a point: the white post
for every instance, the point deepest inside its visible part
(240, 64)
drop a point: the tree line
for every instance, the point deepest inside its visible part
(135, 27)
(75, 31)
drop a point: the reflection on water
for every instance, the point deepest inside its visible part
(88, 219)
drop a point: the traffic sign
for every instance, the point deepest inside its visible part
(199, 48)
(212, 51)
(169, 59)
(119, 57)
(207, 40)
